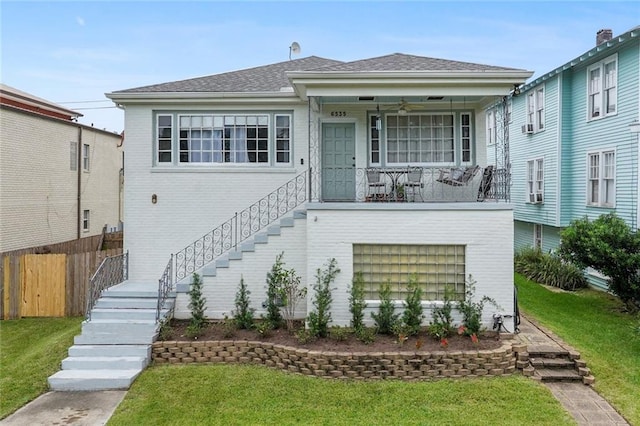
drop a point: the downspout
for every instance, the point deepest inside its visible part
(79, 185)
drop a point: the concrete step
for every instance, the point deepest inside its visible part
(110, 350)
(127, 303)
(104, 363)
(119, 326)
(127, 313)
(114, 338)
(556, 375)
(273, 230)
(91, 380)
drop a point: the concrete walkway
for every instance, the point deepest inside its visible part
(585, 405)
(67, 408)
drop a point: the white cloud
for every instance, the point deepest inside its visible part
(80, 20)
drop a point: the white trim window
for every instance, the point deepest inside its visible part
(601, 179)
(85, 220)
(491, 127)
(535, 181)
(535, 109)
(261, 139)
(85, 157)
(537, 236)
(375, 124)
(602, 88)
(433, 138)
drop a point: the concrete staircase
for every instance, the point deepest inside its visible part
(115, 345)
(260, 238)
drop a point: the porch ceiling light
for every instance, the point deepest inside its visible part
(402, 111)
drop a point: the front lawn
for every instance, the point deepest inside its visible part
(255, 395)
(31, 350)
(593, 323)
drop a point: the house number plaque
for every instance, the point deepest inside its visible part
(338, 113)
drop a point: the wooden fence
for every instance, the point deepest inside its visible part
(48, 285)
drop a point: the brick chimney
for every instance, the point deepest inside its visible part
(603, 36)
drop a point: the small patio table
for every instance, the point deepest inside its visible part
(395, 174)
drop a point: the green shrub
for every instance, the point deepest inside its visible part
(275, 277)
(413, 315)
(549, 269)
(609, 246)
(366, 335)
(471, 310)
(304, 336)
(385, 318)
(197, 305)
(320, 317)
(442, 319)
(339, 334)
(357, 304)
(243, 314)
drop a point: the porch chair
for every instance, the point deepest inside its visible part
(457, 176)
(376, 186)
(414, 183)
(484, 191)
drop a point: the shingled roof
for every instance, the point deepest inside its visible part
(272, 78)
(267, 78)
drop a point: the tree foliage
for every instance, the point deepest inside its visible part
(608, 245)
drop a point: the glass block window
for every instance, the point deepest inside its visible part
(436, 268)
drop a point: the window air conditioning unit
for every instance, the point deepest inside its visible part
(527, 128)
(535, 198)
(539, 197)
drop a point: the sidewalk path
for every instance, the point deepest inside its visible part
(67, 408)
(585, 405)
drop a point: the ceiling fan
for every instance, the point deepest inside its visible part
(403, 106)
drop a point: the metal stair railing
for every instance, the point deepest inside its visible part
(232, 232)
(113, 270)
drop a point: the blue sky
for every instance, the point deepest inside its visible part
(73, 53)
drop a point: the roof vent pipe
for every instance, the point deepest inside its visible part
(603, 36)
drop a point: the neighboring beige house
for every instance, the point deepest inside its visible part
(59, 180)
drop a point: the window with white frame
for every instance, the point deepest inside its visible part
(535, 109)
(535, 181)
(491, 127)
(601, 179)
(374, 148)
(602, 88)
(428, 138)
(73, 156)
(263, 139)
(85, 220)
(438, 269)
(85, 157)
(537, 236)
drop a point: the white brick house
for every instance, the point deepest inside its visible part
(59, 180)
(213, 163)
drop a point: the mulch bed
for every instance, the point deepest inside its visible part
(382, 343)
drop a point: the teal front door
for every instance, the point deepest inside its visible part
(338, 162)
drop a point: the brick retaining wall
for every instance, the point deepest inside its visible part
(356, 365)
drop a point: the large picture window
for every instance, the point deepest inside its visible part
(420, 138)
(224, 139)
(436, 268)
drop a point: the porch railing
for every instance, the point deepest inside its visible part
(113, 270)
(435, 184)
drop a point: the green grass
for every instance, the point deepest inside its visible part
(255, 395)
(593, 323)
(30, 351)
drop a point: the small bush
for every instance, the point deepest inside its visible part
(339, 334)
(442, 319)
(357, 304)
(471, 310)
(366, 335)
(275, 277)
(243, 315)
(228, 327)
(385, 318)
(320, 318)
(197, 305)
(304, 336)
(165, 330)
(264, 329)
(413, 315)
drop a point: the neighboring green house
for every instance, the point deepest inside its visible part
(573, 138)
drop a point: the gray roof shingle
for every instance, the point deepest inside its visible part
(271, 78)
